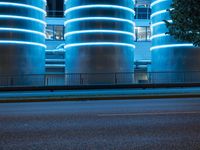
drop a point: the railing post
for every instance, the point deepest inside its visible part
(115, 78)
(11, 81)
(47, 81)
(81, 79)
(44, 78)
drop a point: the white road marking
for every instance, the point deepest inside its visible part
(149, 114)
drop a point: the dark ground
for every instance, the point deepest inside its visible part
(162, 124)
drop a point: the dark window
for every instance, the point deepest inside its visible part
(142, 13)
(55, 8)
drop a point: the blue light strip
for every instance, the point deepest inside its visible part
(67, 0)
(22, 42)
(160, 23)
(55, 60)
(159, 35)
(99, 18)
(157, 2)
(158, 13)
(171, 46)
(23, 18)
(99, 6)
(22, 30)
(22, 5)
(100, 31)
(99, 44)
(55, 65)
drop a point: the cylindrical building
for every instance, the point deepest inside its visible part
(172, 61)
(99, 38)
(22, 41)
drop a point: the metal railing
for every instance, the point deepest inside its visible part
(80, 79)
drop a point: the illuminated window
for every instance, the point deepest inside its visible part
(148, 33)
(59, 31)
(49, 32)
(143, 34)
(55, 32)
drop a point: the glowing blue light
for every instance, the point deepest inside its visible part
(67, 0)
(171, 46)
(23, 18)
(22, 5)
(159, 35)
(99, 44)
(100, 31)
(55, 60)
(99, 18)
(157, 2)
(158, 13)
(55, 65)
(100, 6)
(22, 30)
(22, 42)
(160, 23)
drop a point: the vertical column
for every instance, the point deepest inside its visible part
(99, 38)
(171, 59)
(22, 38)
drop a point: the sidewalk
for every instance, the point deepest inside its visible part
(102, 94)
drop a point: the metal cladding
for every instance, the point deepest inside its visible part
(169, 55)
(22, 38)
(99, 37)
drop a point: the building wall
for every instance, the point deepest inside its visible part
(142, 42)
(142, 51)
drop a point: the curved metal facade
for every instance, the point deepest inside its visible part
(99, 36)
(169, 55)
(22, 38)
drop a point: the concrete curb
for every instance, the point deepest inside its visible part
(97, 97)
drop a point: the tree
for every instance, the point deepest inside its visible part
(185, 25)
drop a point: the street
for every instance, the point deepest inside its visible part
(154, 124)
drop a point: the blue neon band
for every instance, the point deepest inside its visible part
(171, 46)
(158, 13)
(160, 23)
(159, 35)
(99, 18)
(55, 66)
(23, 18)
(23, 5)
(99, 44)
(55, 60)
(22, 30)
(99, 6)
(67, 0)
(100, 31)
(157, 2)
(22, 42)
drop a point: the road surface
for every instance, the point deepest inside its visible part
(157, 124)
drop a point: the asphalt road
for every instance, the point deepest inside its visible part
(162, 124)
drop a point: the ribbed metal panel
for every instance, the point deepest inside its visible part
(168, 54)
(99, 36)
(22, 38)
